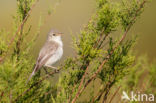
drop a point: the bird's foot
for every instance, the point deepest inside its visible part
(55, 68)
(46, 71)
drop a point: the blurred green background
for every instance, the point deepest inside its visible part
(70, 16)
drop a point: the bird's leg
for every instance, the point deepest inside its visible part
(45, 70)
(49, 66)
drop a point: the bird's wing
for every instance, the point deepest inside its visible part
(46, 52)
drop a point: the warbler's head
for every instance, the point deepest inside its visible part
(54, 35)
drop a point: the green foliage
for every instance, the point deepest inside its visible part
(77, 72)
(3, 46)
(23, 8)
(141, 77)
(108, 18)
(115, 67)
(17, 66)
(130, 8)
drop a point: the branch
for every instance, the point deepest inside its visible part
(86, 70)
(78, 93)
(72, 92)
(108, 91)
(19, 28)
(115, 94)
(108, 56)
(99, 94)
(2, 94)
(38, 82)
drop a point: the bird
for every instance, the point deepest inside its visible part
(50, 53)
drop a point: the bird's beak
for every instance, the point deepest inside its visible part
(59, 34)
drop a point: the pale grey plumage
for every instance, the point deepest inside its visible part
(50, 52)
(46, 52)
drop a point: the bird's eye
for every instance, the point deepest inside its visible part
(54, 34)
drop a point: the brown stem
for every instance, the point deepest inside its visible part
(71, 95)
(2, 95)
(37, 83)
(109, 86)
(18, 43)
(98, 96)
(19, 28)
(108, 56)
(104, 38)
(10, 96)
(117, 90)
(81, 83)
(86, 70)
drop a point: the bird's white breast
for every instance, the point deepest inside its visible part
(56, 56)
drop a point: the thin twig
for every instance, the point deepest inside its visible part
(100, 67)
(114, 94)
(72, 92)
(104, 38)
(37, 83)
(81, 83)
(10, 96)
(19, 28)
(2, 94)
(98, 41)
(86, 70)
(110, 84)
(99, 94)
(80, 90)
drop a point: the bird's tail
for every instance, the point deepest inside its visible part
(33, 73)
